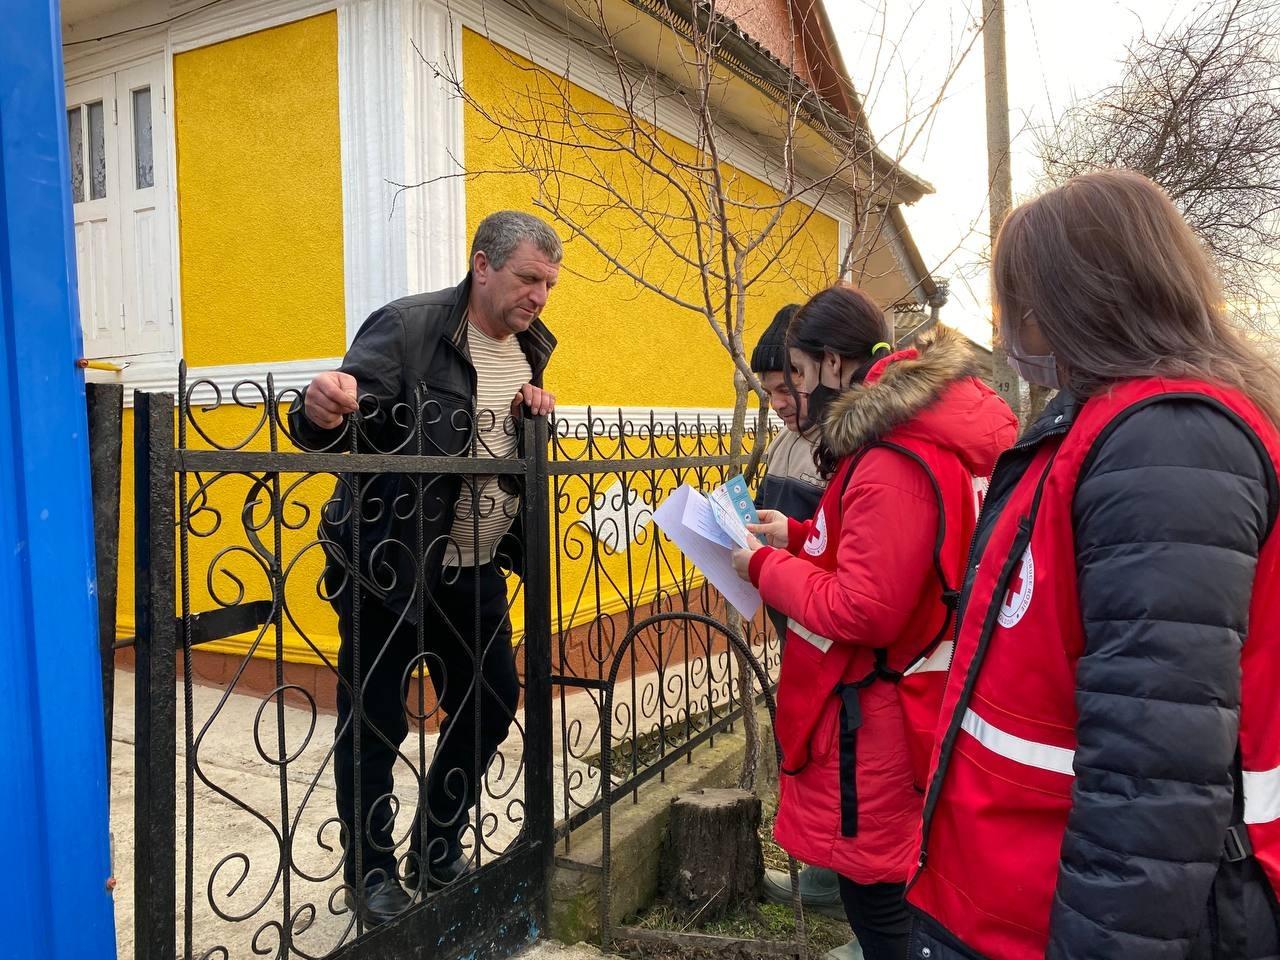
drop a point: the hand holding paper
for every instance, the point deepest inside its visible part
(773, 528)
(694, 524)
(742, 562)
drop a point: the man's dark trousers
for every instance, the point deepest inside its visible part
(465, 621)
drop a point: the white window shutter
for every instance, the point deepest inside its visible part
(144, 222)
(121, 198)
(96, 213)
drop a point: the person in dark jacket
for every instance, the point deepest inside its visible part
(792, 483)
(437, 374)
(1107, 783)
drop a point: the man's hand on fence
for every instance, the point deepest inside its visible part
(330, 397)
(540, 402)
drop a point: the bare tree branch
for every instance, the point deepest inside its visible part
(1197, 109)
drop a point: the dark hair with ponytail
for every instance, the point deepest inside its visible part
(841, 320)
(845, 321)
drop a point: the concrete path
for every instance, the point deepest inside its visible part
(241, 794)
(558, 951)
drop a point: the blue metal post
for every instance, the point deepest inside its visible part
(53, 783)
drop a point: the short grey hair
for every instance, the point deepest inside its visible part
(500, 233)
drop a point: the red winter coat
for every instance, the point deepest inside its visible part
(861, 576)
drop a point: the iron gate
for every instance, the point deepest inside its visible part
(249, 857)
(625, 668)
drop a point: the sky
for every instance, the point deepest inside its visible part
(1058, 52)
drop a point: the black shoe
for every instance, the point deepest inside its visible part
(441, 874)
(384, 900)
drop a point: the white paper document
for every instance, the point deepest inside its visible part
(687, 518)
(727, 518)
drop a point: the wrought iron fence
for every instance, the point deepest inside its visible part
(676, 686)
(271, 542)
(492, 695)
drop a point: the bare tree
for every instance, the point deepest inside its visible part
(712, 238)
(711, 235)
(1197, 109)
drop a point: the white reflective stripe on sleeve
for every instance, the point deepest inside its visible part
(1261, 795)
(1042, 755)
(822, 643)
(936, 662)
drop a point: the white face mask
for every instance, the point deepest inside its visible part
(1038, 369)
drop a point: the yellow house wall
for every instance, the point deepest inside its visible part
(619, 344)
(260, 196)
(260, 209)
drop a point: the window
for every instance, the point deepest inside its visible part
(120, 202)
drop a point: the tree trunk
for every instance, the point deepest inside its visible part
(1040, 396)
(746, 676)
(712, 863)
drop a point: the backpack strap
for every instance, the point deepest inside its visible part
(950, 594)
(1227, 892)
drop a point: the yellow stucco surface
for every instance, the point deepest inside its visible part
(261, 240)
(619, 344)
(260, 196)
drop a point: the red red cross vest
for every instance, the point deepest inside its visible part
(916, 666)
(1002, 775)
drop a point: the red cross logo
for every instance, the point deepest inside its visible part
(1021, 587)
(1015, 589)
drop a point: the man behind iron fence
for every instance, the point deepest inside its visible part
(436, 374)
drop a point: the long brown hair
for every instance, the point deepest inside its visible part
(1121, 288)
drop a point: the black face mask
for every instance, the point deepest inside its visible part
(819, 400)
(822, 396)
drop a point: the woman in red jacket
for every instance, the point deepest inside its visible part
(1107, 781)
(867, 587)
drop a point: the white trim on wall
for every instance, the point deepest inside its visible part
(845, 235)
(82, 61)
(436, 215)
(159, 377)
(398, 126)
(708, 419)
(235, 18)
(371, 110)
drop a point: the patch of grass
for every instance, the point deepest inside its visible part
(649, 748)
(775, 858)
(762, 921)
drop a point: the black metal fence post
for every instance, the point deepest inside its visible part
(155, 754)
(106, 413)
(539, 728)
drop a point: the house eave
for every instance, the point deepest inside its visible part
(751, 62)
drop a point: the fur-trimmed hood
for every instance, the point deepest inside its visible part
(931, 391)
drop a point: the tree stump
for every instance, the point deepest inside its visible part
(711, 862)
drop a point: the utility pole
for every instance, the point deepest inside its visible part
(999, 176)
